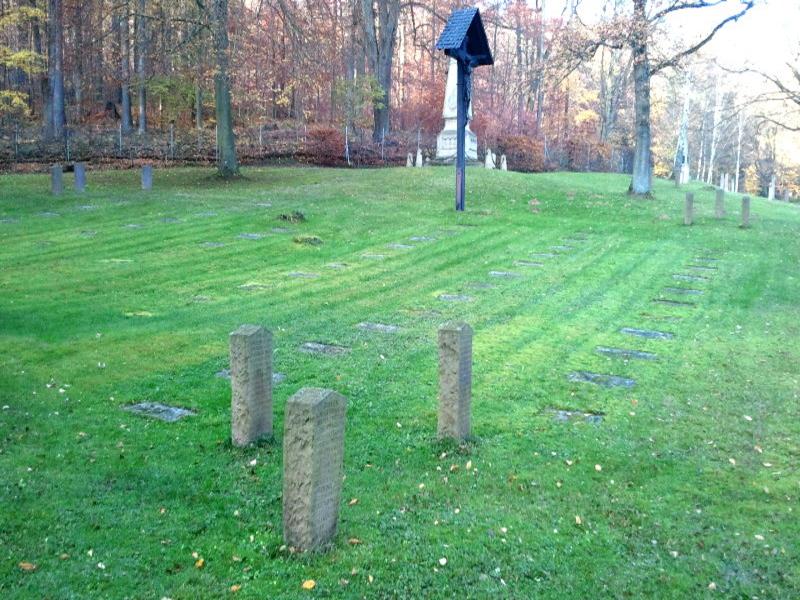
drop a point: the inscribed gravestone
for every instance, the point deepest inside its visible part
(56, 180)
(313, 454)
(745, 212)
(80, 177)
(147, 177)
(251, 384)
(688, 211)
(455, 380)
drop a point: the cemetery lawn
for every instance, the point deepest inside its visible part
(682, 486)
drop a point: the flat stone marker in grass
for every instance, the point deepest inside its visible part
(370, 256)
(626, 354)
(565, 416)
(49, 214)
(9, 220)
(80, 177)
(254, 286)
(313, 455)
(527, 263)
(702, 267)
(156, 410)
(608, 381)
(170, 220)
(87, 207)
(337, 266)
(503, 274)
(280, 230)
(422, 238)
(686, 277)
(397, 246)
(379, 327)
(562, 248)
(688, 209)
(264, 204)
(455, 298)
(719, 204)
(647, 333)
(250, 236)
(745, 212)
(321, 349)
(455, 380)
(132, 226)
(207, 214)
(147, 177)
(669, 302)
(56, 180)
(301, 275)
(706, 258)
(251, 384)
(212, 244)
(684, 291)
(543, 255)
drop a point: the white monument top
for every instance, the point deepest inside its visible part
(449, 110)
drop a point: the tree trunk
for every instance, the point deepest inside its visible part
(125, 69)
(380, 50)
(141, 55)
(227, 165)
(641, 182)
(57, 119)
(738, 154)
(714, 132)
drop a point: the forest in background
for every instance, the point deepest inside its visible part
(360, 81)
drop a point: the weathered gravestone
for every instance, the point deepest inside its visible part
(745, 212)
(489, 160)
(80, 177)
(688, 210)
(771, 192)
(251, 384)
(719, 205)
(503, 163)
(455, 380)
(147, 177)
(313, 453)
(419, 158)
(56, 180)
(410, 160)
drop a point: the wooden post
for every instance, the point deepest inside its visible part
(461, 122)
(688, 210)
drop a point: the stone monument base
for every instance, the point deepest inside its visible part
(446, 143)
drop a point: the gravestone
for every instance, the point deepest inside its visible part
(419, 158)
(688, 210)
(745, 212)
(56, 180)
(489, 160)
(80, 177)
(455, 380)
(503, 163)
(156, 410)
(719, 205)
(600, 379)
(313, 455)
(410, 160)
(771, 192)
(147, 177)
(251, 384)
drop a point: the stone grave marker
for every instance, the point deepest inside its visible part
(683, 291)
(625, 354)
(685, 277)
(56, 180)
(455, 380)
(669, 302)
(147, 177)
(561, 248)
(422, 238)
(410, 160)
(503, 163)
(454, 298)
(323, 349)
(250, 236)
(80, 177)
(251, 384)
(212, 244)
(745, 212)
(503, 274)
(688, 209)
(313, 457)
(380, 327)
(397, 246)
(489, 159)
(719, 204)
(647, 333)
(600, 379)
(156, 410)
(301, 275)
(527, 263)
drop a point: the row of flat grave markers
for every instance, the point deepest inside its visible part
(719, 208)
(57, 178)
(314, 426)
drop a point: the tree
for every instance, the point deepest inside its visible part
(141, 58)
(125, 67)
(55, 126)
(227, 164)
(379, 43)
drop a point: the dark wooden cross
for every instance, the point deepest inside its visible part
(464, 39)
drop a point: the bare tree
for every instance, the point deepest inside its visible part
(227, 164)
(55, 111)
(380, 29)
(141, 61)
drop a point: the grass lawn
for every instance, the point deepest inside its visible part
(687, 487)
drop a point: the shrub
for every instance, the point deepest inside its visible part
(522, 153)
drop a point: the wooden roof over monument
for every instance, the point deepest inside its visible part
(464, 38)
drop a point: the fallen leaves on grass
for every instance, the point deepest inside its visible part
(354, 541)
(235, 588)
(27, 566)
(353, 502)
(309, 584)
(200, 563)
